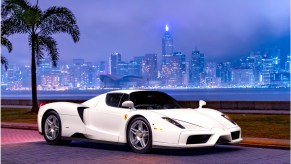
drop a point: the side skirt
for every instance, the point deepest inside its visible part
(81, 137)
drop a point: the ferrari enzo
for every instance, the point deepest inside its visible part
(142, 119)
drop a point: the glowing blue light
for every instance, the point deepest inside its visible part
(167, 28)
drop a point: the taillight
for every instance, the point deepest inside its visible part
(41, 104)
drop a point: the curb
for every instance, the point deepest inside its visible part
(23, 126)
(282, 147)
(266, 143)
(247, 111)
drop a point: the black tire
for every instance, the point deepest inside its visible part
(52, 124)
(140, 139)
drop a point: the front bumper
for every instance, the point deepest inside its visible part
(216, 136)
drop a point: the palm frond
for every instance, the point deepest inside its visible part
(59, 20)
(6, 43)
(59, 12)
(32, 16)
(14, 25)
(13, 7)
(47, 43)
(4, 62)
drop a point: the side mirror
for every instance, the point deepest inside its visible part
(128, 104)
(201, 103)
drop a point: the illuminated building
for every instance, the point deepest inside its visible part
(196, 68)
(150, 67)
(122, 68)
(287, 63)
(76, 72)
(134, 68)
(267, 70)
(242, 77)
(114, 60)
(167, 45)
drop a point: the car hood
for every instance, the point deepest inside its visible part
(192, 116)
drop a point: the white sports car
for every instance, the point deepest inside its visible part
(140, 118)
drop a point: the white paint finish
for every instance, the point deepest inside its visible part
(93, 102)
(105, 123)
(71, 125)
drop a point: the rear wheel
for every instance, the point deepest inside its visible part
(139, 135)
(52, 128)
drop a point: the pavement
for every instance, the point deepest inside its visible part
(255, 142)
(88, 153)
(28, 147)
(247, 141)
(13, 136)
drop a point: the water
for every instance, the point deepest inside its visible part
(179, 94)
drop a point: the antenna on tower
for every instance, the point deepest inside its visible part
(167, 28)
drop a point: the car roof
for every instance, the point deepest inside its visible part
(125, 91)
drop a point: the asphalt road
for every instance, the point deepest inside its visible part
(26, 146)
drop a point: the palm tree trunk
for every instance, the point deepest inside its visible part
(33, 75)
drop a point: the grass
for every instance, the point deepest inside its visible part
(252, 125)
(263, 126)
(18, 115)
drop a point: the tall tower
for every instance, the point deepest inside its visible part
(167, 45)
(287, 63)
(196, 67)
(76, 72)
(149, 67)
(114, 60)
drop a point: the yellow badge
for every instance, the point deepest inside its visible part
(125, 116)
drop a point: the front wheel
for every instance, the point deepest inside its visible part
(52, 128)
(139, 135)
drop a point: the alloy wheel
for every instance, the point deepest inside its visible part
(139, 134)
(51, 127)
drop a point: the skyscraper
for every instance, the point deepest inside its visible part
(65, 77)
(196, 67)
(175, 71)
(114, 60)
(149, 67)
(167, 45)
(76, 72)
(134, 68)
(287, 63)
(122, 68)
(102, 68)
(268, 67)
(139, 62)
(275, 55)
(88, 75)
(182, 59)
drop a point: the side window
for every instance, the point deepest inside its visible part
(116, 99)
(113, 99)
(125, 97)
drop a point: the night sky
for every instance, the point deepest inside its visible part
(223, 30)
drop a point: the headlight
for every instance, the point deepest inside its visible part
(228, 118)
(173, 122)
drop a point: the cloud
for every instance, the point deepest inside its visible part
(222, 30)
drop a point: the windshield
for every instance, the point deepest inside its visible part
(153, 100)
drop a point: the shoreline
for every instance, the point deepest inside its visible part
(217, 94)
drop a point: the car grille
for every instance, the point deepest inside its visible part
(198, 139)
(235, 135)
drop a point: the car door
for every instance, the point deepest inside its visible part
(107, 118)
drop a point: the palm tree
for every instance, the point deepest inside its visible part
(4, 62)
(6, 43)
(19, 16)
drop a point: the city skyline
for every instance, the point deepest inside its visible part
(223, 30)
(253, 71)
